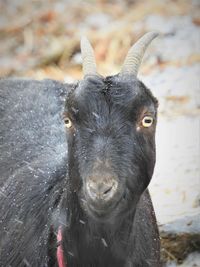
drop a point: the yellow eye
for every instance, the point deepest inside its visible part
(68, 123)
(147, 121)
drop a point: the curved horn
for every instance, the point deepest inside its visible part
(87, 52)
(135, 54)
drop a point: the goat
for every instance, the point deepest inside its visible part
(75, 163)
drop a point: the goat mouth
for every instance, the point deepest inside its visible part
(102, 212)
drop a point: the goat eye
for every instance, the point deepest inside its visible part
(147, 121)
(68, 123)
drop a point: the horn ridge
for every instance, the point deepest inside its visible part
(87, 52)
(135, 54)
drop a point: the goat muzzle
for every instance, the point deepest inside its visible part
(101, 189)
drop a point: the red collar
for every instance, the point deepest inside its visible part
(60, 255)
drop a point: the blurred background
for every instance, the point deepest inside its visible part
(41, 39)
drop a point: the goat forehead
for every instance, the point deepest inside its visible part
(101, 95)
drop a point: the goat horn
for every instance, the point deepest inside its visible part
(87, 52)
(136, 52)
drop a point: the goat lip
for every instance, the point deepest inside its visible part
(98, 213)
(102, 211)
(98, 209)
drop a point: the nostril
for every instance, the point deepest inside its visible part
(107, 191)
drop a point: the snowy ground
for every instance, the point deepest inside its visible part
(193, 260)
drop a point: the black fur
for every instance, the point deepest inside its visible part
(44, 168)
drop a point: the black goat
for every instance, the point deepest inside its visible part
(76, 160)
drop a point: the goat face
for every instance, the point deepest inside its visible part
(110, 130)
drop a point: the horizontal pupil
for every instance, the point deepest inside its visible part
(148, 121)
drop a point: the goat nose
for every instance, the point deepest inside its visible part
(103, 190)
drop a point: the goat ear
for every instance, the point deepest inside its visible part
(135, 54)
(89, 63)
